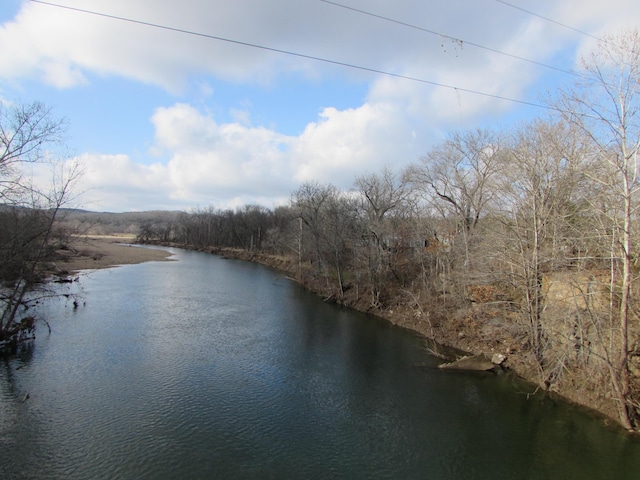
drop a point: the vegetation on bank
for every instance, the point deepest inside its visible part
(519, 241)
(29, 235)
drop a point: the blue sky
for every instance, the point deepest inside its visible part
(162, 119)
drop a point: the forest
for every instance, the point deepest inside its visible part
(502, 242)
(520, 241)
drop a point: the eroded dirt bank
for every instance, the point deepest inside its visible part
(476, 330)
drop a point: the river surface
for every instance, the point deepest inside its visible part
(205, 368)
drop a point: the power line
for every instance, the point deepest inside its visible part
(563, 25)
(449, 37)
(294, 54)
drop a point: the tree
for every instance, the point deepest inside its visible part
(457, 179)
(341, 227)
(253, 221)
(28, 133)
(605, 105)
(24, 131)
(381, 197)
(310, 203)
(535, 199)
(458, 174)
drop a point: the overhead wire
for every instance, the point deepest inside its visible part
(449, 37)
(294, 54)
(551, 20)
(484, 47)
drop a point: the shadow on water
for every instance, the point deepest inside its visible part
(211, 368)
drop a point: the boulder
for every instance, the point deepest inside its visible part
(498, 359)
(473, 363)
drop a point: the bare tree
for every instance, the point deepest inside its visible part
(24, 131)
(309, 203)
(382, 197)
(458, 173)
(605, 105)
(457, 179)
(341, 228)
(27, 220)
(536, 190)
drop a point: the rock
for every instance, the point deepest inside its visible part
(474, 363)
(498, 359)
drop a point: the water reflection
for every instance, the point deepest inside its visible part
(211, 368)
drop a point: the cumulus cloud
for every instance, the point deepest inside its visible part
(226, 165)
(207, 157)
(61, 45)
(233, 161)
(231, 164)
(343, 144)
(116, 183)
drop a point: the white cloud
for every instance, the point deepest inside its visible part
(115, 183)
(71, 43)
(237, 162)
(228, 165)
(209, 161)
(61, 46)
(344, 144)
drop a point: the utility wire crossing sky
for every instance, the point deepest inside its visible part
(229, 103)
(326, 60)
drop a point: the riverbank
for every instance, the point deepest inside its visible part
(102, 251)
(475, 330)
(232, 362)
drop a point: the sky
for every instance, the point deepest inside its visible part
(184, 105)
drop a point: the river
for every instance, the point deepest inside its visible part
(205, 368)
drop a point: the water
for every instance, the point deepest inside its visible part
(211, 368)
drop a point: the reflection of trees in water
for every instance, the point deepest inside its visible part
(9, 387)
(22, 312)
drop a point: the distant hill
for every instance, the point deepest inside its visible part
(107, 223)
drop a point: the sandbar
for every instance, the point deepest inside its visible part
(104, 251)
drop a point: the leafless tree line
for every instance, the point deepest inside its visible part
(536, 221)
(532, 229)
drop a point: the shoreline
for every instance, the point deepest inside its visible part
(516, 362)
(95, 252)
